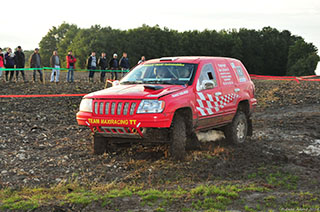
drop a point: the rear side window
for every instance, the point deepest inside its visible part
(207, 78)
(239, 72)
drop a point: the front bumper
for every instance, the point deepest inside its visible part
(133, 126)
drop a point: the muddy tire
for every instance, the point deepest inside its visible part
(236, 132)
(178, 137)
(99, 145)
(193, 142)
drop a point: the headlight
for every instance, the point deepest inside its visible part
(86, 105)
(151, 106)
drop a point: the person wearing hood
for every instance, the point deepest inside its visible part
(10, 62)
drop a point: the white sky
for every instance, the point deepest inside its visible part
(25, 22)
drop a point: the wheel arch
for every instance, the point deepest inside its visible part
(244, 106)
(186, 113)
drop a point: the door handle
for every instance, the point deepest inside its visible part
(218, 94)
(236, 89)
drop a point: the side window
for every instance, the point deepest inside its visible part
(207, 78)
(242, 77)
(239, 72)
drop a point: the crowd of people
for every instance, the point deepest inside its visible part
(14, 63)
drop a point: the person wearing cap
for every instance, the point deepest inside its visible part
(9, 63)
(124, 63)
(114, 65)
(35, 62)
(71, 65)
(55, 64)
(20, 62)
(92, 65)
(1, 62)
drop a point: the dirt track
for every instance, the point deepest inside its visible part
(42, 145)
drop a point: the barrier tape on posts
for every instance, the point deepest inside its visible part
(285, 78)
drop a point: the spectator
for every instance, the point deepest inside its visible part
(9, 63)
(55, 63)
(114, 65)
(124, 63)
(143, 58)
(92, 65)
(20, 62)
(35, 62)
(103, 65)
(1, 62)
(71, 61)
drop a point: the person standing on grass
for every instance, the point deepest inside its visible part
(35, 62)
(1, 62)
(114, 65)
(124, 63)
(55, 64)
(20, 62)
(9, 63)
(103, 65)
(71, 61)
(92, 65)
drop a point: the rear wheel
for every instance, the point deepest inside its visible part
(236, 132)
(178, 138)
(99, 145)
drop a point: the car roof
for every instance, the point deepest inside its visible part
(185, 59)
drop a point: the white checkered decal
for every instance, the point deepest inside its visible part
(208, 104)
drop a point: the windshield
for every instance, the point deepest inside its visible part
(161, 73)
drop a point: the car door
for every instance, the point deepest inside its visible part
(229, 92)
(207, 97)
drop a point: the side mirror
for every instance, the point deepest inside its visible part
(116, 83)
(207, 84)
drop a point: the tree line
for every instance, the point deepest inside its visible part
(267, 51)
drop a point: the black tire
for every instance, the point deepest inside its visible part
(193, 142)
(178, 136)
(99, 145)
(236, 132)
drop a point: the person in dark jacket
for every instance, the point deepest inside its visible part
(35, 62)
(114, 65)
(10, 62)
(124, 63)
(103, 65)
(20, 62)
(92, 65)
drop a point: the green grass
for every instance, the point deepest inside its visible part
(276, 178)
(205, 197)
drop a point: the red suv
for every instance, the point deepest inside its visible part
(169, 100)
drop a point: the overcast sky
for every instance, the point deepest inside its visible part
(25, 22)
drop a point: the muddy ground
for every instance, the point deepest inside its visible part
(41, 145)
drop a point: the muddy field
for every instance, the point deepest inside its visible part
(44, 151)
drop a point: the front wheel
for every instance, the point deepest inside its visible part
(178, 138)
(236, 132)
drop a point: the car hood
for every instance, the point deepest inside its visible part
(137, 91)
